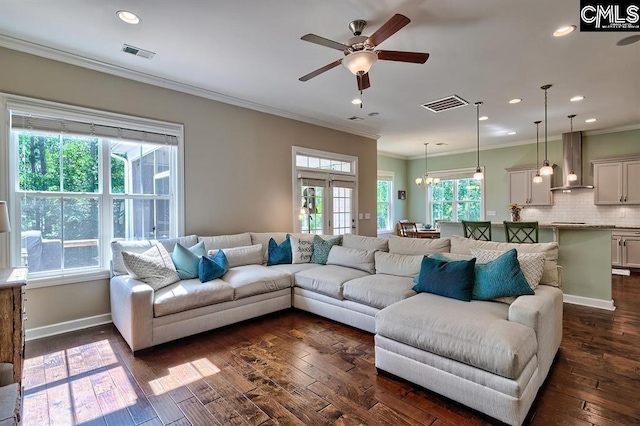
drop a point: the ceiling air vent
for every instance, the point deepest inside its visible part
(354, 118)
(445, 104)
(137, 51)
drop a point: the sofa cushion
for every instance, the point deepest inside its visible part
(361, 242)
(475, 333)
(461, 245)
(190, 294)
(363, 260)
(226, 241)
(327, 279)
(450, 279)
(322, 247)
(379, 290)
(214, 267)
(402, 265)
(186, 260)
(279, 253)
(140, 246)
(301, 249)
(418, 246)
(250, 280)
(153, 267)
(501, 277)
(294, 268)
(531, 264)
(239, 256)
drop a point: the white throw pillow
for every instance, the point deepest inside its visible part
(301, 249)
(531, 264)
(239, 256)
(153, 267)
(401, 265)
(363, 260)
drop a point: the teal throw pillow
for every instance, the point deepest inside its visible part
(279, 254)
(500, 278)
(449, 279)
(321, 248)
(437, 256)
(186, 260)
(214, 267)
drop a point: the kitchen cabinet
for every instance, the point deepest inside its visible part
(616, 181)
(523, 191)
(625, 249)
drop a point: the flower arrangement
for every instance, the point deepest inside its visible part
(515, 210)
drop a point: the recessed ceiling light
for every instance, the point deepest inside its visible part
(373, 114)
(128, 17)
(563, 31)
(511, 133)
(356, 101)
(515, 101)
(576, 98)
(589, 120)
(484, 117)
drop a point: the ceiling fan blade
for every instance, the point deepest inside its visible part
(363, 81)
(393, 55)
(320, 70)
(389, 28)
(312, 38)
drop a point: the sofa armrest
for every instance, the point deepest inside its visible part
(543, 313)
(132, 310)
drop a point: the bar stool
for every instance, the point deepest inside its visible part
(477, 230)
(521, 232)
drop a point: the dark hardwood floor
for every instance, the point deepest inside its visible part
(297, 368)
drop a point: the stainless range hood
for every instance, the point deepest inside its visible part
(571, 160)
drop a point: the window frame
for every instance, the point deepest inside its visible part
(387, 177)
(455, 174)
(10, 191)
(327, 175)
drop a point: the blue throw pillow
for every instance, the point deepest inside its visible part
(321, 248)
(500, 278)
(214, 267)
(279, 254)
(186, 260)
(449, 279)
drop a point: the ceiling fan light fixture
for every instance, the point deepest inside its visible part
(359, 63)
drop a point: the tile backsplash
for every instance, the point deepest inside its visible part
(578, 206)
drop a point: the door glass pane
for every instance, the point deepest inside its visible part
(311, 209)
(342, 215)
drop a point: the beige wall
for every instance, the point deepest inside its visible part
(237, 161)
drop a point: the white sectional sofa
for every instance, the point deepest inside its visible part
(488, 355)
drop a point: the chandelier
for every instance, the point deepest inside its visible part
(425, 180)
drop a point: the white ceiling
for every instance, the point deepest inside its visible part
(250, 52)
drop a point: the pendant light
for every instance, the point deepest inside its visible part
(426, 178)
(546, 169)
(572, 177)
(478, 175)
(537, 178)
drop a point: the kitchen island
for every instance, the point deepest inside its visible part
(584, 254)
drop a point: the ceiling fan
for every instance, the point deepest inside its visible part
(359, 53)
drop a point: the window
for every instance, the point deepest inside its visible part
(325, 187)
(457, 197)
(80, 178)
(385, 201)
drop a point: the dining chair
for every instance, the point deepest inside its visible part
(521, 232)
(477, 230)
(409, 229)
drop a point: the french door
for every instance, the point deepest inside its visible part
(327, 207)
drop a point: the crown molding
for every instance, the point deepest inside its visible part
(95, 65)
(392, 155)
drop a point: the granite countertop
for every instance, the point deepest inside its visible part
(565, 225)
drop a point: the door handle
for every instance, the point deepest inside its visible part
(625, 198)
(621, 198)
(624, 243)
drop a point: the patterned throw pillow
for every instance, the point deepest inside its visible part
(153, 267)
(279, 254)
(531, 264)
(186, 260)
(321, 248)
(301, 250)
(500, 278)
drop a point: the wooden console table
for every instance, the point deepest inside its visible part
(12, 285)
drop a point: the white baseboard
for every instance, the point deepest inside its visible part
(67, 326)
(588, 301)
